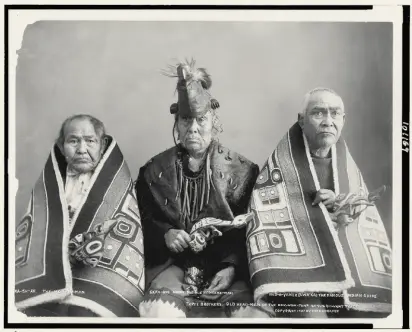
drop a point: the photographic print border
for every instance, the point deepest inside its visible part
(405, 169)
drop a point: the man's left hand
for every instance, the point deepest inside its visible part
(326, 196)
(221, 281)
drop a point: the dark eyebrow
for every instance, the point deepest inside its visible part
(321, 108)
(318, 108)
(72, 136)
(79, 136)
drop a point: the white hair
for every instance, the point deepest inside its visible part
(309, 94)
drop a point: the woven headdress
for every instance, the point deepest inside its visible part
(193, 84)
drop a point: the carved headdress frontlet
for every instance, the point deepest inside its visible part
(193, 84)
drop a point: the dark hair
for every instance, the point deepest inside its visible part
(97, 124)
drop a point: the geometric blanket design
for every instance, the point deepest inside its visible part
(294, 247)
(115, 286)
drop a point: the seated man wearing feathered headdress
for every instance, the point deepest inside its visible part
(193, 201)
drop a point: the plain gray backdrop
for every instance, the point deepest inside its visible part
(260, 72)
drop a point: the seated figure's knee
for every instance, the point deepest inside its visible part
(160, 308)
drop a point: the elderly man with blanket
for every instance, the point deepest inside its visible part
(193, 200)
(79, 248)
(316, 243)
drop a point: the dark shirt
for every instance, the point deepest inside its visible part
(324, 171)
(193, 195)
(323, 167)
(231, 182)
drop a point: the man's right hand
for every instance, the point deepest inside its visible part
(177, 240)
(326, 196)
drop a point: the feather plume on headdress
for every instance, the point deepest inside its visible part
(191, 73)
(193, 87)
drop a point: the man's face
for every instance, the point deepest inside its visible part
(324, 119)
(82, 147)
(195, 133)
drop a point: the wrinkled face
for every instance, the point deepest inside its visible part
(82, 146)
(324, 119)
(195, 133)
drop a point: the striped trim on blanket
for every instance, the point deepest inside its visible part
(115, 286)
(294, 247)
